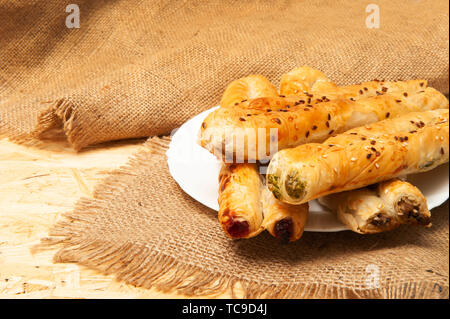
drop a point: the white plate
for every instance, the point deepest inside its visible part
(196, 171)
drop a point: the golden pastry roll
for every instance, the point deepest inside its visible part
(240, 208)
(283, 221)
(412, 143)
(266, 125)
(250, 87)
(300, 80)
(307, 79)
(380, 208)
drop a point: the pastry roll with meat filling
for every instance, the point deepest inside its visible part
(380, 208)
(283, 221)
(415, 142)
(240, 208)
(296, 121)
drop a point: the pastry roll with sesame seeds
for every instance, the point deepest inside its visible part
(254, 129)
(240, 208)
(306, 79)
(412, 143)
(301, 80)
(283, 221)
(381, 207)
(250, 87)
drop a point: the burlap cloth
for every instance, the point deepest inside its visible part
(141, 68)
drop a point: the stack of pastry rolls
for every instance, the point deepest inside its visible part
(348, 142)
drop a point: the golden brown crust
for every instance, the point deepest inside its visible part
(283, 221)
(415, 142)
(301, 80)
(296, 121)
(250, 87)
(381, 208)
(240, 210)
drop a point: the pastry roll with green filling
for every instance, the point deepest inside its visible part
(380, 208)
(240, 208)
(283, 221)
(268, 123)
(412, 143)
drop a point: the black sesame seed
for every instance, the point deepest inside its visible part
(373, 142)
(314, 127)
(307, 133)
(388, 114)
(329, 116)
(241, 119)
(369, 155)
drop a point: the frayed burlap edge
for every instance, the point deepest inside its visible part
(59, 115)
(139, 266)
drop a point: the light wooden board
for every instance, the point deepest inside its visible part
(36, 187)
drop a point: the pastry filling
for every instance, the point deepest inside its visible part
(283, 229)
(380, 220)
(408, 208)
(273, 183)
(295, 188)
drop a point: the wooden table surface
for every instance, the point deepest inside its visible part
(36, 187)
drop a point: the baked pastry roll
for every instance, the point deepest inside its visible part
(415, 142)
(383, 207)
(240, 208)
(283, 221)
(306, 79)
(250, 87)
(300, 80)
(255, 129)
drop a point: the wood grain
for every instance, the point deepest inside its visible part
(36, 187)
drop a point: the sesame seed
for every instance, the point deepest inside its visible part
(329, 116)
(353, 159)
(405, 94)
(377, 153)
(327, 124)
(387, 114)
(398, 101)
(384, 89)
(324, 155)
(331, 132)
(373, 142)
(276, 120)
(377, 165)
(241, 119)
(369, 155)
(361, 92)
(307, 133)
(366, 89)
(314, 127)
(442, 151)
